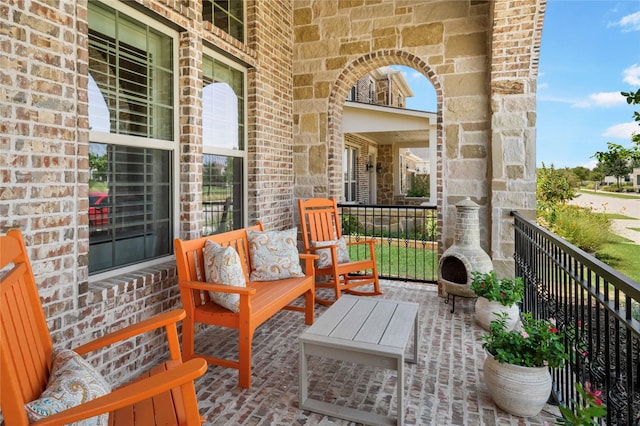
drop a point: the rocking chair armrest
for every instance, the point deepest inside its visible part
(166, 319)
(179, 376)
(198, 285)
(369, 241)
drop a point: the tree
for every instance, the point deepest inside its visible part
(634, 98)
(616, 161)
(553, 186)
(619, 161)
(582, 173)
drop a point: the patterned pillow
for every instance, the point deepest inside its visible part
(72, 382)
(222, 265)
(325, 254)
(274, 255)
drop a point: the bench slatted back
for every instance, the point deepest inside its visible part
(25, 343)
(193, 268)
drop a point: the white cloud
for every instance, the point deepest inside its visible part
(590, 165)
(632, 75)
(622, 131)
(629, 22)
(548, 98)
(543, 86)
(602, 99)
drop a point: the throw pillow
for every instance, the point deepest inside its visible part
(222, 265)
(325, 254)
(72, 382)
(274, 255)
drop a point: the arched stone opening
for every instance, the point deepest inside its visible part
(338, 95)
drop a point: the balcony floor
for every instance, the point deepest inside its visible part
(444, 388)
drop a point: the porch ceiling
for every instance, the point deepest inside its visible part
(386, 125)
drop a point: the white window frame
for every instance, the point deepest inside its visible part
(144, 142)
(352, 174)
(235, 152)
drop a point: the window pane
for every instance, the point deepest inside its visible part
(228, 15)
(222, 193)
(222, 105)
(133, 74)
(130, 205)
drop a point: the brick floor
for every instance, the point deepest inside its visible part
(444, 388)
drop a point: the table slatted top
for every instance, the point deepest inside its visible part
(364, 321)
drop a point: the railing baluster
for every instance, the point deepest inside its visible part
(599, 311)
(406, 237)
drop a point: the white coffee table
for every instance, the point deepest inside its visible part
(363, 330)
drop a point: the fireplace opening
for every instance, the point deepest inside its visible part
(453, 270)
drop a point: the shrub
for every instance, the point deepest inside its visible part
(581, 227)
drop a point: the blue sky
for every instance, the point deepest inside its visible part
(590, 53)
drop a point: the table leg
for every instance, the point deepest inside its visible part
(400, 379)
(302, 377)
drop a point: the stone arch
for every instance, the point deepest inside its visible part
(338, 94)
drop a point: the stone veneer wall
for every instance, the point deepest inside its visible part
(44, 162)
(481, 58)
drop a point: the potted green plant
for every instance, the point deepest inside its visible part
(516, 369)
(496, 295)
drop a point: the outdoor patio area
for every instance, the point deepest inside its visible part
(445, 387)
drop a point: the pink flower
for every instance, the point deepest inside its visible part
(552, 321)
(502, 294)
(525, 334)
(596, 393)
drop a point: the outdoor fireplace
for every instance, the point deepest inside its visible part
(465, 254)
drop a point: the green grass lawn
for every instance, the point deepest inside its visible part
(621, 255)
(399, 261)
(617, 216)
(611, 194)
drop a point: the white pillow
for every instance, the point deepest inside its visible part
(222, 265)
(325, 254)
(72, 382)
(274, 255)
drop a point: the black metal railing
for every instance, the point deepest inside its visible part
(596, 307)
(406, 236)
(218, 216)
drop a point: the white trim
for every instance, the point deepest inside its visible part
(236, 152)
(173, 146)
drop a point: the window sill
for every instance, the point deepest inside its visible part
(108, 289)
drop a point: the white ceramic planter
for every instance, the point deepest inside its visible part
(521, 391)
(485, 313)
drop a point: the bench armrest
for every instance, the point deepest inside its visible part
(167, 319)
(198, 285)
(309, 260)
(181, 375)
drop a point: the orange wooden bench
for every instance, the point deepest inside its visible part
(259, 300)
(165, 395)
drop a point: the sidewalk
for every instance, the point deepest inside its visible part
(606, 204)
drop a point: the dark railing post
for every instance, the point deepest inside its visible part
(598, 310)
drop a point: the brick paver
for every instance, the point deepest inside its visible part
(445, 387)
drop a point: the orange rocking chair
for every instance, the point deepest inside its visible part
(322, 235)
(165, 395)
